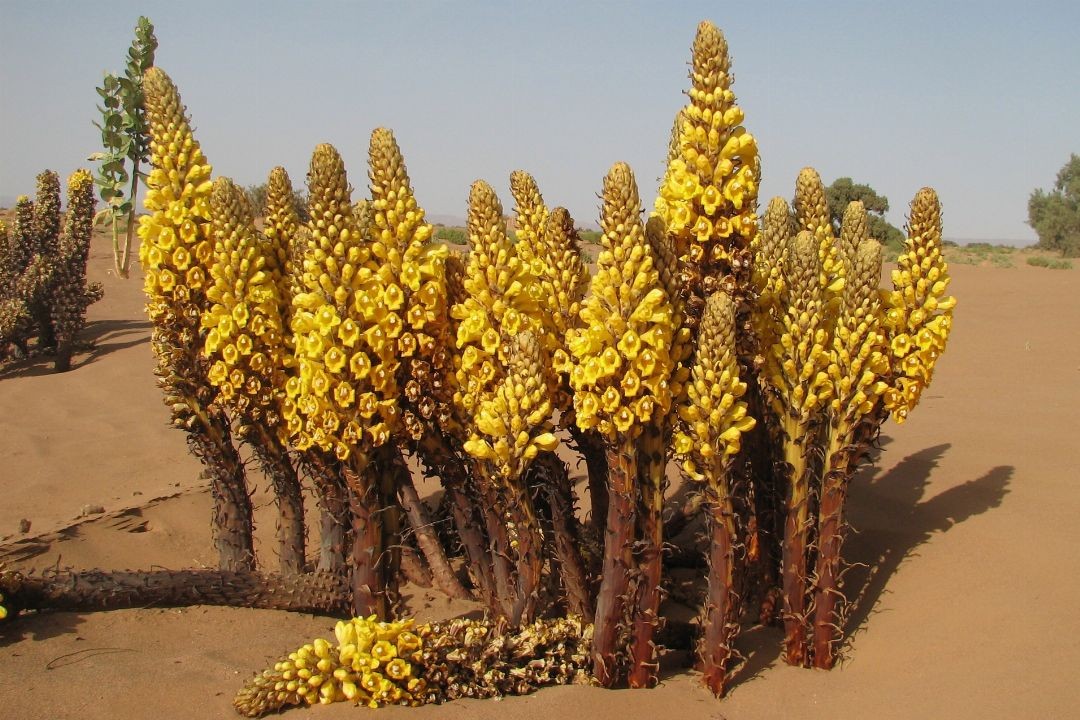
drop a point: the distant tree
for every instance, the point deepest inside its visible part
(844, 191)
(1055, 215)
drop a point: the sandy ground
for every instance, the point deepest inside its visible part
(968, 520)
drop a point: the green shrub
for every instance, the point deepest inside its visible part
(452, 235)
(1049, 263)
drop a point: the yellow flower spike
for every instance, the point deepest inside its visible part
(495, 282)
(520, 405)
(337, 314)
(920, 314)
(413, 268)
(238, 292)
(643, 311)
(711, 182)
(531, 214)
(812, 215)
(702, 446)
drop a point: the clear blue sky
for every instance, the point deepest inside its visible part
(981, 100)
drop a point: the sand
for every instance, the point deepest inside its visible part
(967, 519)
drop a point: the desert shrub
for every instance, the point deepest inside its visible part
(1049, 263)
(452, 235)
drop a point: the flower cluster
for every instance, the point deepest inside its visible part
(619, 358)
(399, 663)
(245, 342)
(281, 228)
(513, 423)
(344, 325)
(177, 244)
(713, 418)
(401, 244)
(859, 355)
(70, 294)
(708, 198)
(500, 302)
(797, 362)
(812, 215)
(919, 317)
(374, 663)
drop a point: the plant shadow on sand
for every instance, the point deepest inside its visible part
(99, 338)
(889, 520)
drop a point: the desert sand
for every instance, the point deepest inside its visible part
(967, 519)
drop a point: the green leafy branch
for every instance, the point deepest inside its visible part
(126, 142)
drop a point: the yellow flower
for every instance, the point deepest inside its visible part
(344, 394)
(490, 341)
(230, 354)
(320, 382)
(398, 669)
(334, 359)
(901, 345)
(326, 319)
(408, 642)
(219, 372)
(623, 419)
(610, 361)
(359, 365)
(711, 199)
(349, 332)
(630, 344)
(393, 297)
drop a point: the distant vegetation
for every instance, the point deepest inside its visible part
(981, 254)
(844, 191)
(452, 235)
(1055, 215)
(1049, 263)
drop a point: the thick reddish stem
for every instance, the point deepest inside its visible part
(618, 559)
(233, 523)
(275, 463)
(720, 624)
(652, 462)
(441, 571)
(368, 582)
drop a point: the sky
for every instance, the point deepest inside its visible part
(979, 100)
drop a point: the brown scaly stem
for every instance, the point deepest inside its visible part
(618, 560)
(828, 599)
(210, 440)
(499, 549)
(766, 522)
(93, 590)
(275, 463)
(442, 574)
(437, 453)
(390, 471)
(796, 547)
(367, 580)
(551, 476)
(720, 624)
(652, 463)
(528, 557)
(413, 567)
(334, 521)
(591, 447)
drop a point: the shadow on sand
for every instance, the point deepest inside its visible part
(98, 338)
(889, 520)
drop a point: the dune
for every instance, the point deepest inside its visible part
(965, 537)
